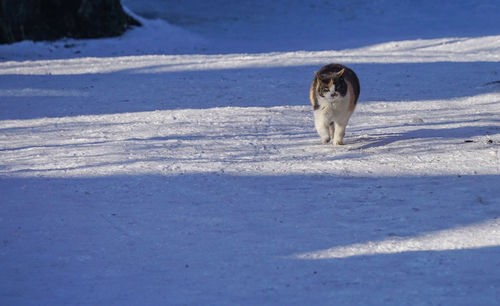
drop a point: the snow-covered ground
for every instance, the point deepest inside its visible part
(172, 167)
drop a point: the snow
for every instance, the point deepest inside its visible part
(469, 237)
(178, 164)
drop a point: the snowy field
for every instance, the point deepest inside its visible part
(179, 165)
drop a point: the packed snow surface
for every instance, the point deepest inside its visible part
(170, 167)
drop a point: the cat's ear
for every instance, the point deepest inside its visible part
(317, 75)
(340, 73)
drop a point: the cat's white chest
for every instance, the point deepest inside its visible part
(335, 109)
(331, 118)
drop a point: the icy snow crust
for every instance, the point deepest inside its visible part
(135, 171)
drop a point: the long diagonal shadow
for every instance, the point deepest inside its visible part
(463, 134)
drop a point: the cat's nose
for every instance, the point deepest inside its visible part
(333, 95)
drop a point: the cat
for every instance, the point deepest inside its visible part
(334, 93)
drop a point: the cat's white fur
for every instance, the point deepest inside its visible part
(331, 118)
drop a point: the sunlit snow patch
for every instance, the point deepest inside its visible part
(469, 49)
(475, 236)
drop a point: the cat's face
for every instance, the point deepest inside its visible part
(331, 86)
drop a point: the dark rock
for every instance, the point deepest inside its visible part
(55, 19)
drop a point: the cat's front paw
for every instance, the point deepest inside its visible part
(338, 143)
(325, 140)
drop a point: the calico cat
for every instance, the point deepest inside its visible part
(333, 94)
